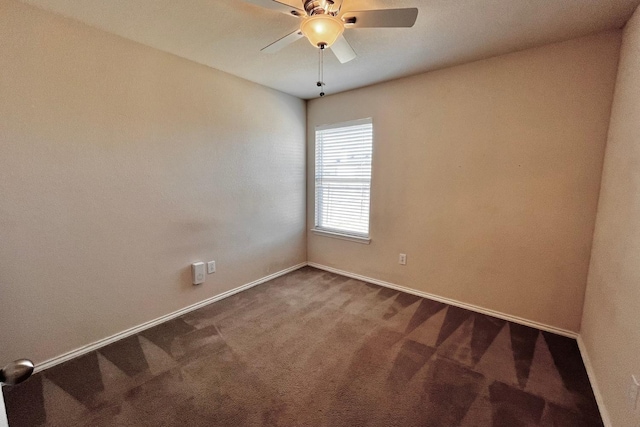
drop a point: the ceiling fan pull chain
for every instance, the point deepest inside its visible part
(320, 83)
(319, 68)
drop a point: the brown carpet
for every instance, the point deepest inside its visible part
(316, 349)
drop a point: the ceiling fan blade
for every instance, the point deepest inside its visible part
(343, 50)
(284, 41)
(278, 6)
(381, 18)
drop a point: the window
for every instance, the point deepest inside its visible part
(343, 178)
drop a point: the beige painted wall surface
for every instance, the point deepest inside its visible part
(611, 320)
(119, 166)
(486, 175)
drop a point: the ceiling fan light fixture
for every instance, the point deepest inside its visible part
(322, 30)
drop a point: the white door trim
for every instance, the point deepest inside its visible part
(3, 412)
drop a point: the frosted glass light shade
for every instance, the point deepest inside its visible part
(322, 29)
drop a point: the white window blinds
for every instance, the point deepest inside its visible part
(343, 177)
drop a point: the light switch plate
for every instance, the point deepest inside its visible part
(211, 267)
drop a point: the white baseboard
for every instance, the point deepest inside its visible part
(131, 331)
(604, 414)
(471, 307)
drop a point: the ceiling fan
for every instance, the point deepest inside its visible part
(323, 23)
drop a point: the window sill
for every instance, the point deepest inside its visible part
(336, 235)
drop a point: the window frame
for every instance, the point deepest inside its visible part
(335, 233)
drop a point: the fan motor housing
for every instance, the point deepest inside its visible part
(317, 7)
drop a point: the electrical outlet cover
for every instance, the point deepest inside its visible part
(197, 272)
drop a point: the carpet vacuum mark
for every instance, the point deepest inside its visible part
(313, 348)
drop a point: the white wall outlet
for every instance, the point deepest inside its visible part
(197, 272)
(634, 392)
(211, 267)
(402, 260)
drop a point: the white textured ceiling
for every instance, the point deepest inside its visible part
(228, 35)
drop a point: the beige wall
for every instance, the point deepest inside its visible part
(611, 321)
(486, 175)
(119, 166)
